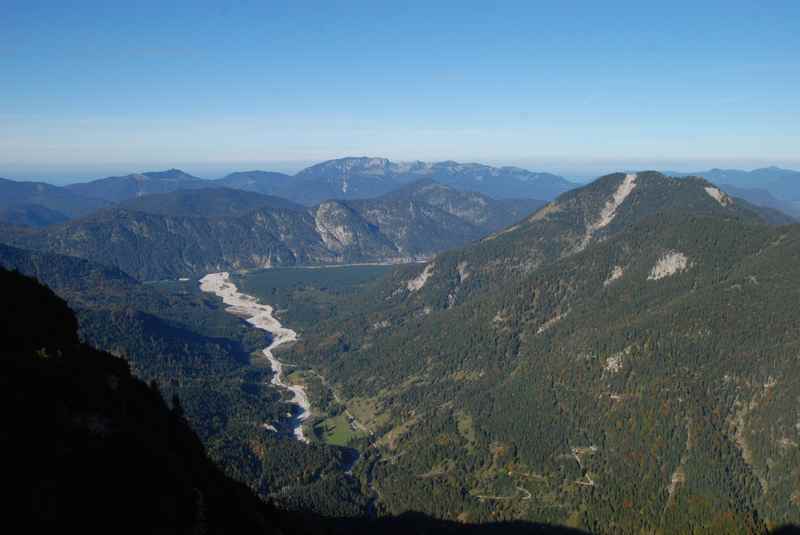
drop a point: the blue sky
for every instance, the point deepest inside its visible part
(90, 87)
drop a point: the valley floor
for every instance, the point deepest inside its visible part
(261, 317)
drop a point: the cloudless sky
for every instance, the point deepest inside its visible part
(564, 85)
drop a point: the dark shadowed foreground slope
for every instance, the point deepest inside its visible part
(88, 447)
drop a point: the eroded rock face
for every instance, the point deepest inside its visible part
(609, 211)
(419, 281)
(616, 274)
(463, 271)
(668, 265)
(718, 195)
(330, 223)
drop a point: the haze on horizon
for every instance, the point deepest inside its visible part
(95, 88)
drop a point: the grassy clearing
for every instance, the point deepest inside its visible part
(337, 430)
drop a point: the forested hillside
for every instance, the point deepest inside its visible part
(207, 202)
(570, 224)
(189, 233)
(624, 360)
(182, 340)
(113, 456)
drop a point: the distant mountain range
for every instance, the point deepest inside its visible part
(341, 179)
(784, 183)
(353, 178)
(38, 204)
(768, 186)
(190, 232)
(121, 188)
(264, 182)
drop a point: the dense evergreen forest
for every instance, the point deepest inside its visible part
(622, 360)
(91, 449)
(641, 381)
(181, 339)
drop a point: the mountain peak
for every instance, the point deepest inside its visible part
(120, 188)
(618, 200)
(169, 174)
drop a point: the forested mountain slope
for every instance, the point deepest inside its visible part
(568, 225)
(264, 182)
(164, 335)
(481, 210)
(207, 202)
(167, 236)
(183, 340)
(31, 215)
(624, 360)
(154, 246)
(89, 448)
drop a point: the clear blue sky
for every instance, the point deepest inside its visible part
(570, 85)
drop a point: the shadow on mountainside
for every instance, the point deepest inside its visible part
(411, 524)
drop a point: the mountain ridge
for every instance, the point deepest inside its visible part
(365, 176)
(41, 203)
(120, 188)
(591, 356)
(782, 183)
(341, 179)
(168, 236)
